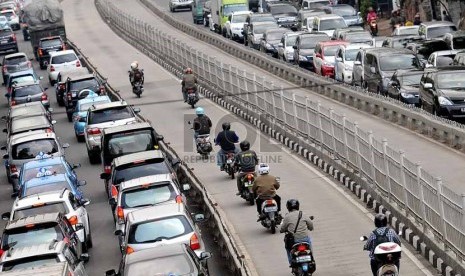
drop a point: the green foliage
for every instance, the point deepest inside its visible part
(364, 5)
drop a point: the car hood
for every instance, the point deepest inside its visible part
(237, 25)
(410, 89)
(306, 52)
(454, 94)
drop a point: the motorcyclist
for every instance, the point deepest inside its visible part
(264, 187)
(188, 82)
(289, 225)
(381, 231)
(417, 20)
(135, 74)
(225, 139)
(371, 15)
(202, 123)
(245, 161)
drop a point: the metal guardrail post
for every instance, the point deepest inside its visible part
(441, 211)
(422, 198)
(386, 169)
(402, 181)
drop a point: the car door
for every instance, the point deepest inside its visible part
(426, 95)
(72, 236)
(75, 264)
(317, 58)
(296, 50)
(368, 67)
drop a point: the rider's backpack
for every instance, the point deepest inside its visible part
(381, 238)
(204, 125)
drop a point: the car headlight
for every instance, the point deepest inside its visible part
(444, 101)
(407, 95)
(290, 55)
(302, 58)
(269, 46)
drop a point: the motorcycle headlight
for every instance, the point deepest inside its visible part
(407, 95)
(302, 58)
(444, 101)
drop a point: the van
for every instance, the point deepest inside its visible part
(197, 11)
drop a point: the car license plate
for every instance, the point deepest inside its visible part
(4, 42)
(462, 109)
(271, 209)
(304, 259)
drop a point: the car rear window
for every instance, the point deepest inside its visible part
(31, 235)
(156, 230)
(84, 84)
(7, 14)
(165, 265)
(108, 115)
(50, 43)
(31, 149)
(126, 143)
(27, 263)
(127, 173)
(56, 186)
(86, 106)
(53, 207)
(32, 172)
(27, 91)
(15, 60)
(64, 58)
(6, 32)
(147, 195)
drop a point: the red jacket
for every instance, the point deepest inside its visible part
(371, 16)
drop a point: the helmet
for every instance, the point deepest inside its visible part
(245, 145)
(226, 126)
(263, 168)
(199, 111)
(380, 220)
(134, 65)
(370, 9)
(188, 70)
(292, 204)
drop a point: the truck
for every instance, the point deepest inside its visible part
(43, 18)
(220, 11)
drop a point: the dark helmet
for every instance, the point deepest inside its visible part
(292, 204)
(226, 126)
(380, 220)
(245, 145)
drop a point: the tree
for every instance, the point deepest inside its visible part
(364, 5)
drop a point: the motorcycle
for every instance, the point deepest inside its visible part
(271, 216)
(302, 261)
(192, 99)
(247, 184)
(387, 254)
(137, 86)
(229, 167)
(204, 146)
(374, 28)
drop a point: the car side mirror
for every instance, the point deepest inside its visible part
(373, 70)
(118, 232)
(76, 166)
(6, 216)
(53, 122)
(110, 272)
(159, 138)
(84, 258)
(205, 256)
(85, 202)
(199, 218)
(112, 201)
(427, 85)
(175, 162)
(186, 187)
(82, 183)
(41, 78)
(105, 176)
(294, 47)
(6, 156)
(136, 110)
(65, 145)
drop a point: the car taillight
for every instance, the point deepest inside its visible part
(44, 97)
(29, 64)
(1, 252)
(194, 242)
(269, 201)
(102, 89)
(40, 52)
(13, 169)
(178, 199)
(69, 96)
(107, 169)
(129, 250)
(93, 131)
(114, 191)
(73, 220)
(13, 36)
(120, 214)
(78, 63)
(52, 69)
(13, 103)
(63, 46)
(249, 176)
(49, 130)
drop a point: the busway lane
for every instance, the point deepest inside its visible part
(333, 212)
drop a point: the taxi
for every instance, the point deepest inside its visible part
(80, 112)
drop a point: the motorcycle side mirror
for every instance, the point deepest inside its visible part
(188, 122)
(363, 238)
(311, 217)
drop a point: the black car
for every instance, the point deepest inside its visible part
(8, 40)
(74, 85)
(424, 49)
(305, 46)
(47, 45)
(270, 41)
(400, 41)
(442, 91)
(404, 86)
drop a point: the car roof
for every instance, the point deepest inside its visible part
(7, 10)
(356, 46)
(16, 253)
(46, 180)
(260, 14)
(155, 252)
(29, 71)
(305, 34)
(241, 12)
(25, 123)
(15, 55)
(333, 42)
(25, 108)
(123, 128)
(16, 136)
(458, 33)
(81, 77)
(328, 16)
(407, 71)
(408, 27)
(387, 51)
(37, 219)
(151, 179)
(138, 157)
(49, 196)
(446, 52)
(437, 23)
(156, 212)
(32, 136)
(109, 105)
(447, 68)
(94, 99)
(66, 73)
(46, 270)
(25, 83)
(60, 53)
(50, 37)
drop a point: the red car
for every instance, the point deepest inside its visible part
(324, 57)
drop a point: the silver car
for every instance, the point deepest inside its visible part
(27, 110)
(180, 4)
(26, 92)
(24, 124)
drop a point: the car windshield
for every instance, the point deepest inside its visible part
(269, 18)
(434, 32)
(459, 42)
(63, 58)
(27, 91)
(344, 11)
(330, 50)
(108, 115)
(85, 106)
(31, 149)
(445, 60)
(50, 43)
(6, 32)
(332, 24)
(239, 18)
(162, 265)
(55, 186)
(156, 230)
(8, 14)
(394, 62)
(451, 80)
(27, 236)
(147, 195)
(84, 84)
(229, 9)
(351, 54)
(260, 29)
(318, 4)
(27, 263)
(52, 207)
(410, 78)
(408, 31)
(15, 60)
(310, 42)
(126, 143)
(290, 41)
(127, 173)
(283, 9)
(271, 36)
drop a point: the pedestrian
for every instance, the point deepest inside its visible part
(446, 16)
(395, 20)
(416, 20)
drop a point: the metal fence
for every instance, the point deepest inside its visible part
(421, 195)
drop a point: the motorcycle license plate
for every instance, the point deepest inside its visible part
(248, 184)
(304, 259)
(271, 209)
(229, 161)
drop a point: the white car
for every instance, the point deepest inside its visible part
(59, 61)
(441, 58)
(54, 201)
(406, 30)
(235, 24)
(328, 23)
(180, 4)
(13, 19)
(345, 57)
(286, 46)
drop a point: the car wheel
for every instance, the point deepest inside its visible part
(93, 158)
(80, 138)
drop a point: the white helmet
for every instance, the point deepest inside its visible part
(263, 169)
(134, 65)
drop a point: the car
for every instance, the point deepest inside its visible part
(4, 22)
(305, 18)
(80, 113)
(160, 225)
(254, 18)
(459, 59)
(235, 24)
(197, 11)
(337, 35)
(103, 116)
(328, 23)
(62, 77)
(358, 37)
(180, 4)
(39, 229)
(25, 92)
(62, 201)
(270, 41)
(305, 47)
(142, 192)
(350, 15)
(435, 29)
(8, 40)
(400, 41)
(40, 255)
(455, 40)
(406, 30)
(379, 40)
(285, 46)
(30, 109)
(46, 46)
(77, 83)
(285, 14)
(424, 49)
(404, 86)
(315, 4)
(441, 58)
(59, 61)
(9, 5)
(136, 165)
(176, 258)
(25, 124)
(13, 19)
(256, 31)
(127, 139)
(21, 76)
(14, 63)
(344, 63)
(442, 92)
(324, 57)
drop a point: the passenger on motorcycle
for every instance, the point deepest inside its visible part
(135, 74)
(188, 82)
(225, 139)
(245, 161)
(202, 123)
(289, 225)
(381, 234)
(264, 187)
(371, 15)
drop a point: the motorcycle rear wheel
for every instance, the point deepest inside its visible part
(231, 172)
(251, 201)
(273, 226)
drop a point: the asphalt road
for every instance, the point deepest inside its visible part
(339, 221)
